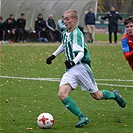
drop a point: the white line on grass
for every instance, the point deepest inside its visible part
(119, 80)
(58, 80)
(25, 78)
(115, 85)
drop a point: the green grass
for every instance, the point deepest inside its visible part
(21, 101)
(104, 37)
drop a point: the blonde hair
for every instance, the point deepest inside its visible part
(73, 12)
(50, 15)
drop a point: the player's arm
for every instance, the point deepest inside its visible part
(47, 24)
(126, 50)
(57, 52)
(72, 63)
(105, 17)
(79, 56)
(128, 55)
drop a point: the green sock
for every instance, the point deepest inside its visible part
(108, 95)
(71, 105)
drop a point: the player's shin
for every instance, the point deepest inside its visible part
(107, 95)
(71, 105)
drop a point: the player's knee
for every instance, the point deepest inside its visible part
(61, 96)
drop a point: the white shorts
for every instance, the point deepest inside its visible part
(82, 75)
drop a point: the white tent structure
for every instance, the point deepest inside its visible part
(31, 8)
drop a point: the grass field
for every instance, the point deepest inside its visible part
(22, 100)
(104, 37)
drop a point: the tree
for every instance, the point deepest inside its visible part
(123, 6)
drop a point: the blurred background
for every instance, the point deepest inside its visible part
(31, 8)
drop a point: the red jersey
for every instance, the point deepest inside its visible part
(127, 48)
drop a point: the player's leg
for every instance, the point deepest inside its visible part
(110, 37)
(93, 32)
(89, 33)
(1, 34)
(68, 83)
(105, 94)
(19, 34)
(25, 34)
(88, 83)
(39, 34)
(63, 94)
(115, 37)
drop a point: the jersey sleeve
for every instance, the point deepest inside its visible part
(125, 46)
(128, 55)
(79, 56)
(59, 50)
(78, 43)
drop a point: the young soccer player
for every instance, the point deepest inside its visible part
(127, 41)
(78, 71)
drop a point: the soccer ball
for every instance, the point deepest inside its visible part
(45, 120)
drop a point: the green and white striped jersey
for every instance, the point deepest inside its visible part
(73, 43)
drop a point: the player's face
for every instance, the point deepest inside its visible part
(9, 21)
(69, 21)
(23, 16)
(112, 9)
(129, 28)
(12, 17)
(91, 10)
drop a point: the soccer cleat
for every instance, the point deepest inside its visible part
(83, 121)
(121, 101)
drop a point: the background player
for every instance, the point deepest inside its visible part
(113, 17)
(78, 71)
(127, 41)
(90, 23)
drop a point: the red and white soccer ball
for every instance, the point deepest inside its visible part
(45, 120)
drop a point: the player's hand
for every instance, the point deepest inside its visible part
(49, 59)
(102, 19)
(69, 64)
